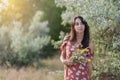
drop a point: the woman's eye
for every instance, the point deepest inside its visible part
(81, 23)
(76, 24)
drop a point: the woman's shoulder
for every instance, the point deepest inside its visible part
(66, 38)
(65, 42)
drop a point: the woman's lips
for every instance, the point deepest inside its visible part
(79, 29)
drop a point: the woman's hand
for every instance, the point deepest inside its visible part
(89, 66)
(68, 62)
(82, 59)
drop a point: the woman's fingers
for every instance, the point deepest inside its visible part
(68, 62)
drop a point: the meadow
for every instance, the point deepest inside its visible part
(50, 69)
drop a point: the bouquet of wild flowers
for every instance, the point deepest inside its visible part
(80, 56)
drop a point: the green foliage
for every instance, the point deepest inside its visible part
(103, 19)
(57, 44)
(24, 10)
(52, 14)
(25, 44)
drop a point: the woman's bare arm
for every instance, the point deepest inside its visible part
(63, 58)
(63, 55)
(89, 64)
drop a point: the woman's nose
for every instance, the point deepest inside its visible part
(79, 26)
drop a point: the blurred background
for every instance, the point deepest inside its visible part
(31, 32)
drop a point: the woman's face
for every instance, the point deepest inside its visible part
(79, 26)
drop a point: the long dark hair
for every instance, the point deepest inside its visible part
(86, 38)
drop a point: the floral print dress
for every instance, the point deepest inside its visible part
(77, 71)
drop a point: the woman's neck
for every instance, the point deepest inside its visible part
(79, 37)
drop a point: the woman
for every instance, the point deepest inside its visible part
(79, 35)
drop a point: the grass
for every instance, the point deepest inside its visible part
(50, 69)
(53, 70)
